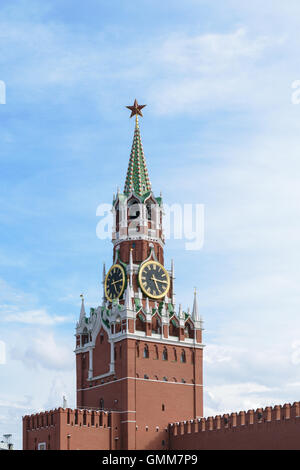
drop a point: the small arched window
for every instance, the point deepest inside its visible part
(101, 404)
(146, 351)
(165, 354)
(183, 356)
(175, 354)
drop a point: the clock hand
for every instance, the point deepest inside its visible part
(153, 279)
(116, 282)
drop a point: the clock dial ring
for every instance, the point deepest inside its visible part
(154, 279)
(114, 282)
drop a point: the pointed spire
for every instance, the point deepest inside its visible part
(82, 310)
(103, 273)
(137, 179)
(147, 305)
(103, 281)
(128, 299)
(172, 269)
(130, 266)
(195, 313)
(180, 312)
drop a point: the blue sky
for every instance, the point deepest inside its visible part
(219, 129)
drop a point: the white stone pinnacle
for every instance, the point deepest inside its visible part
(195, 313)
(128, 299)
(82, 310)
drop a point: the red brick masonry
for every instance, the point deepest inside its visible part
(276, 428)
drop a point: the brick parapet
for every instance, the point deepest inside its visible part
(72, 429)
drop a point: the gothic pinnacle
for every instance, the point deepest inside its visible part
(82, 310)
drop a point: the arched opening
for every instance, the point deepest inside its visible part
(174, 355)
(165, 354)
(133, 209)
(189, 330)
(156, 324)
(85, 336)
(140, 322)
(182, 356)
(174, 328)
(146, 352)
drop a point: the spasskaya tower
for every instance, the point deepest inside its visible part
(139, 357)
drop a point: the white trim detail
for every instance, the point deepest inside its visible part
(158, 340)
(139, 378)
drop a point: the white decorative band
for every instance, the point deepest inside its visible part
(138, 378)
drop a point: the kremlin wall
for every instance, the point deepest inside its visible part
(270, 428)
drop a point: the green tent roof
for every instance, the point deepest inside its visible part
(137, 179)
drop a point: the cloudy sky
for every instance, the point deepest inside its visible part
(221, 128)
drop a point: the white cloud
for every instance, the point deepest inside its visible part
(213, 71)
(2, 352)
(218, 354)
(15, 308)
(236, 397)
(35, 317)
(44, 351)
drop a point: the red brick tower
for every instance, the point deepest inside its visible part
(136, 355)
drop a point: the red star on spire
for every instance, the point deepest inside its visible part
(136, 109)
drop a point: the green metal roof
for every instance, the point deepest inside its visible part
(137, 179)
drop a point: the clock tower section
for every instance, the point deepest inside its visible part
(138, 356)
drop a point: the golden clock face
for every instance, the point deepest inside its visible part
(154, 279)
(114, 282)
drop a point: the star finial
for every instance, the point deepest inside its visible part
(136, 109)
